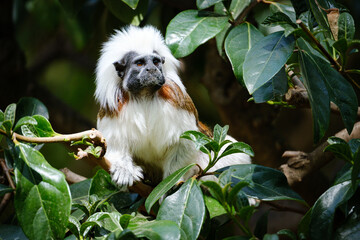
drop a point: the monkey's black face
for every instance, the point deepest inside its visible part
(140, 73)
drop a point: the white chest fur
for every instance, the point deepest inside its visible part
(146, 128)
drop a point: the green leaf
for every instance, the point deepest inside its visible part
(356, 170)
(9, 114)
(274, 89)
(214, 207)
(304, 225)
(43, 127)
(74, 226)
(271, 237)
(125, 220)
(162, 230)
(7, 126)
(265, 183)
(338, 89)
(220, 133)
(101, 184)
(185, 207)
(284, 7)
(8, 232)
(313, 79)
(237, 44)
(339, 148)
(320, 15)
(281, 19)
(237, 147)
(29, 106)
(27, 120)
(2, 117)
(127, 234)
(188, 30)
(202, 4)
(323, 211)
(266, 58)
(126, 14)
(215, 190)
(346, 26)
(80, 191)
(234, 192)
(42, 200)
(198, 138)
(131, 3)
(165, 186)
(5, 189)
(354, 145)
(287, 232)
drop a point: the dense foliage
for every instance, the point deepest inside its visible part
(316, 46)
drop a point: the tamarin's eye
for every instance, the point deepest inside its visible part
(139, 63)
(156, 61)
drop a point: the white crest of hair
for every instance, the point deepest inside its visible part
(144, 40)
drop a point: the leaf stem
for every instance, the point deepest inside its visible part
(318, 44)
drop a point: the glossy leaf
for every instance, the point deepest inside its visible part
(234, 192)
(202, 4)
(157, 230)
(237, 44)
(9, 114)
(131, 3)
(283, 20)
(354, 144)
(127, 234)
(165, 186)
(8, 232)
(323, 211)
(42, 200)
(101, 184)
(5, 189)
(188, 30)
(346, 26)
(320, 15)
(80, 191)
(339, 148)
(236, 7)
(356, 170)
(214, 207)
(185, 207)
(29, 106)
(220, 133)
(286, 232)
(274, 89)
(266, 58)
(215, 190)
(74, 226)
(2, 117)
(237, 147)
(284, 7)
(198, 138)
(318, 95)
(265, 183)
(43, 127)
(330, 85)
(27, 120)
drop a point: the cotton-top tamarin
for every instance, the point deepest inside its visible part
(144, 108)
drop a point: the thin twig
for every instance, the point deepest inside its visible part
(72, 177)
(7, 173)
(245, 12)
(301, 164)
(318, 44)
(7, 197)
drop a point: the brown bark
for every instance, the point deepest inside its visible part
(301, 164)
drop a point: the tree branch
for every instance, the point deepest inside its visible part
(301, 164)
(7, 197)
(72, 177)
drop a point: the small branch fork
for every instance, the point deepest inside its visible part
(301, 164)
(7, 197)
